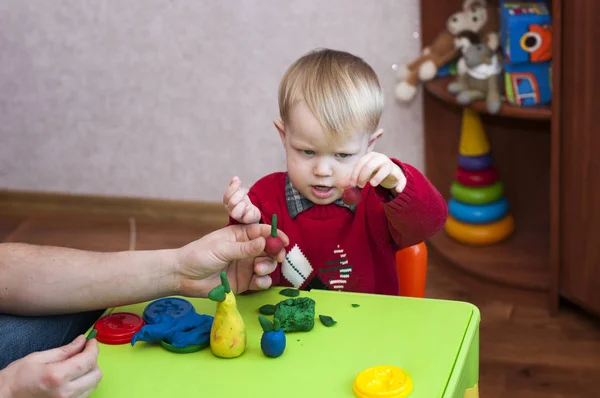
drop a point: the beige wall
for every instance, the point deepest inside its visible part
(170, 98)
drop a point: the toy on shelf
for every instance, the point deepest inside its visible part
(526, 41)
(482, 77)
(228, 333)
(272, 342)
(477, 16)
(478, 210)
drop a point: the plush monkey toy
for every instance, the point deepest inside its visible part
(476, 16)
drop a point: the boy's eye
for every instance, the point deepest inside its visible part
(307, 152)
(343, 155)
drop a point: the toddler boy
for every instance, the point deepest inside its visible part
(330, 104)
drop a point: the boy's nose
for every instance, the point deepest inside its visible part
(322, 169)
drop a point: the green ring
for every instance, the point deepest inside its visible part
(183, 350)
(477, 195)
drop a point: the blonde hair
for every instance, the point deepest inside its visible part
(341, 90)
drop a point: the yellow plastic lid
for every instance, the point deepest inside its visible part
(382, 382)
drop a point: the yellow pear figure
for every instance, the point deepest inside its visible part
(228, 331)
(473, 141)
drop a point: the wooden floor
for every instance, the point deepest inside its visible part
(524, 351)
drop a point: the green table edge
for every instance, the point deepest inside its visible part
(467, 361)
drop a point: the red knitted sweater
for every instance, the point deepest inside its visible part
(333, 247)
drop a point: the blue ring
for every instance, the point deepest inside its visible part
(474, 163)
(478, 214)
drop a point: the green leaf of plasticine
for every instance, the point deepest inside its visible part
(217, 294)
(91, 335)
(274, 225)
(356, 305)
(327, 320)
(276, 324)
(267, 309)
(290, 292)
(266, 325)
(225, 282)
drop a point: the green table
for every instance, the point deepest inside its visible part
(435, 341)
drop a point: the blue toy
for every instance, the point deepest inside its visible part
(528, 84)
(172, 306)
(525, 31)
(272, 342)
(174, 323)
(526, 41)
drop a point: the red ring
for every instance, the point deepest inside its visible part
(476, 178)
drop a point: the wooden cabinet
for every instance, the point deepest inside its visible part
(579, 193)
(548, 158)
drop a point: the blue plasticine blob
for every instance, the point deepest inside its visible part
(180, 332)
(474, 163)
(478, 214)
(272, 343)
(173, 306)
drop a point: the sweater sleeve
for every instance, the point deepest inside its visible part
(418, 212)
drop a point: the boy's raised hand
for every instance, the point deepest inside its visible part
(378, 169)
(238, 204)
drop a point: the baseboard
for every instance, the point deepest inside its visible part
(48, 203)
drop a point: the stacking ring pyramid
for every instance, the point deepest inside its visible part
(479, 213)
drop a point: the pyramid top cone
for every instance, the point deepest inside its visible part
(473, 141)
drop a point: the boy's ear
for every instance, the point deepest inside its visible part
(374, 137)
(281, 129)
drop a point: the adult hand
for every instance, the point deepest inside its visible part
(236, 249)
(68, 371)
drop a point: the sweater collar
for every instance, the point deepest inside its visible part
(297, 203)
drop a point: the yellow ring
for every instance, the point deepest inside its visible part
(480, 234)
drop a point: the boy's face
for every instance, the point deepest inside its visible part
(319, 167)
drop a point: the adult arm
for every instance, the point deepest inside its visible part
(39, 280)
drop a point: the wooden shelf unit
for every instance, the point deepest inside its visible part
(521, 144)
(438, 88)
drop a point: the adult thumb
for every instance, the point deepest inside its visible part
(63, 352)
(241, 250)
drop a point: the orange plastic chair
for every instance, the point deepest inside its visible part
(411, 263)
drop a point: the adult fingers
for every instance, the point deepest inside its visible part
(252, 231)
(83, 386)
(264, 265)
(260, 282)
(61, 353)
(231, 251)
(79, 364)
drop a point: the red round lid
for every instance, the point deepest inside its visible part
(118, 328)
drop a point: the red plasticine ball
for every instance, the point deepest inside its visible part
(351, 196)
(274, 243)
